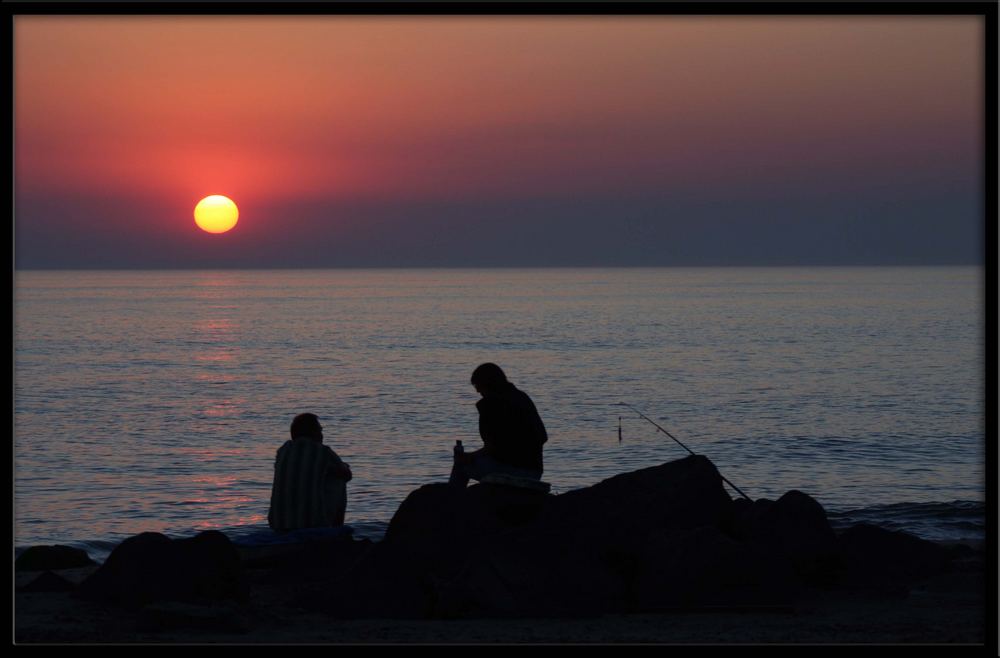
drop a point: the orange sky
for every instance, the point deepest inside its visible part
(270, 109)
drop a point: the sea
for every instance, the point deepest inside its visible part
(155, 400)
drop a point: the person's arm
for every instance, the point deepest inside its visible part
(540, 434)
(337, 467)
(469, 457)
(274, 484)
(488, 421)
(341, 470)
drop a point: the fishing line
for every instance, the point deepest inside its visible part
(645, 417)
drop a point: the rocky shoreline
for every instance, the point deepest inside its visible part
(659, 555)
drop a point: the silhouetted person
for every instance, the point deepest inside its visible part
(310, 480)
(510, 427)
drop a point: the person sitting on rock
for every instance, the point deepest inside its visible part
(310, 480)
(511, 430)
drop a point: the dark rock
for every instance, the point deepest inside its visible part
(880, 557)
(962, 551)
(439, 526)
(665, 537)
(476, 590)
(42, 558)
(500, 551)
(678, 495)
(48, 582)
(794, 527)
(439, 519)
(438, 512)
(152, 567)
(705, 567)
(518, 578)
(609, 525)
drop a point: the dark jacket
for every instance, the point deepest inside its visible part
(512, 432)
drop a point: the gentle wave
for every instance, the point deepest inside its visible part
(959, 520)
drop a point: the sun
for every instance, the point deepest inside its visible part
(216, 214)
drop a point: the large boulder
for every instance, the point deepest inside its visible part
(459, 513)
(704, 566)
(51, 558)
(518, 576)
(440, 525)
(794, 527)
(659, 538)
(48, 581)
(493, 550)
(615, 516)
(877, 557)
(152, 567)
(435, 541)
(620, 511)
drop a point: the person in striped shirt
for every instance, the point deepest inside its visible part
(310, 480)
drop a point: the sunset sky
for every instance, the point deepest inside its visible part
(485, 141)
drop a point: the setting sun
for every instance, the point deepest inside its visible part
(216, 214)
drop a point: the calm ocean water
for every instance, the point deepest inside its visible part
(155, 400)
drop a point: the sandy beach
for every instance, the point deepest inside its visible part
(947, 608)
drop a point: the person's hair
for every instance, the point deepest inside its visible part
(306, 425)
(488, 375)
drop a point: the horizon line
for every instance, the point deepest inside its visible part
(112, 268)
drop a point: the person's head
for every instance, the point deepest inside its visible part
(488, 378)
(307, 425)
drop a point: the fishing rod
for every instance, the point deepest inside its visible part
(645, 417)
